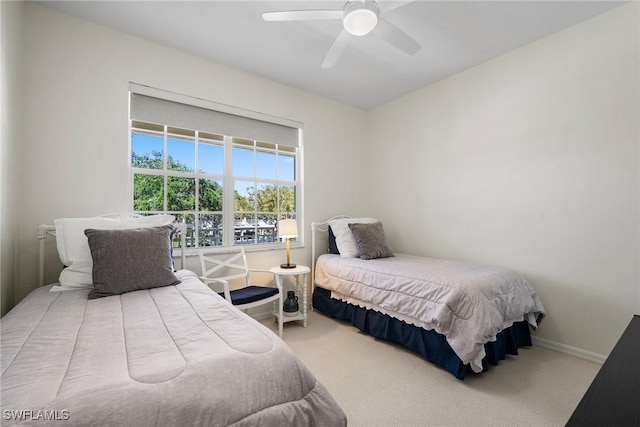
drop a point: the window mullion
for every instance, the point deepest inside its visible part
(228, 199)
(165, 179)
(196, 216)
(254, 214)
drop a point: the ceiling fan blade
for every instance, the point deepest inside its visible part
(396, 37)
(336, 49)
(387, 5)
(302, 15)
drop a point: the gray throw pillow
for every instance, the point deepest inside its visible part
(130, 260)
(371, 240)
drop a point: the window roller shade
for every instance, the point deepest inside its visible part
(155, 110)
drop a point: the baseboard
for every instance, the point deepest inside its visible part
(262, 315)
(265, 313)
(574, 351)
(261, 312)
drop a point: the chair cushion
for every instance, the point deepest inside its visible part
(251, 294)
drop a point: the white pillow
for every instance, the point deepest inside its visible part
(73, 246)
(345, 241)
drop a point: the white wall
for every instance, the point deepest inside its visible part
(530, 161)
(76, 77)
(11, 30)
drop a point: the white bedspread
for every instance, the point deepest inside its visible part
(467, 303)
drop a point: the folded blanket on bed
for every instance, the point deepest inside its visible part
(467, 303)
(175, 355)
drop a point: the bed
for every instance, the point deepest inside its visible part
(172, 354)
(461, 316)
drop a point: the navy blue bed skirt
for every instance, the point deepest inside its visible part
(429, 344)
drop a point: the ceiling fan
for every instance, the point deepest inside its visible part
(359, 18)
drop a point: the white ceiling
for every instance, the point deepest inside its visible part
(455, 35)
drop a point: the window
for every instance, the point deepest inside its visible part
(229, 190)
(264, 189)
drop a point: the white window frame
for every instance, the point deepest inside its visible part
(227, 178)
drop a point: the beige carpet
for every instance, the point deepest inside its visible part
(381, 384)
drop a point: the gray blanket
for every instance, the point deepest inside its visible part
(177, 355)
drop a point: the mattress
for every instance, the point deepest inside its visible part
(175, 355)
(467, 303)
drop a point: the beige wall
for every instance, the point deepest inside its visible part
(529, 161)
(76, 77)
(10, 38)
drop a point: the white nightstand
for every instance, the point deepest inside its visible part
(301, 286)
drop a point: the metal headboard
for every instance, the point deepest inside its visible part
(323, 227)
(46, 230)
(43, 231)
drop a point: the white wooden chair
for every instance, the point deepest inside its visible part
(220, 268)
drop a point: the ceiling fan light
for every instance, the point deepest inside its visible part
(360, 20)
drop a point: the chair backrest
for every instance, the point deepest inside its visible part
(226, 266)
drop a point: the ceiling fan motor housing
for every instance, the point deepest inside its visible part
(360, 17)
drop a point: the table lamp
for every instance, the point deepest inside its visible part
(287, 230)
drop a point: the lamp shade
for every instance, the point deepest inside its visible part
(288, 229)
